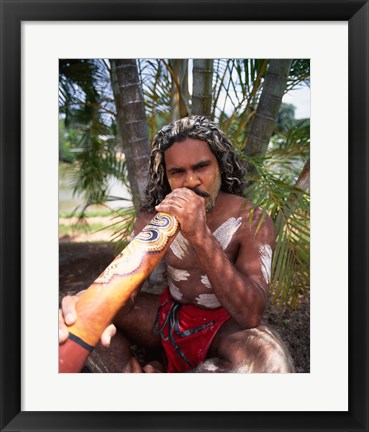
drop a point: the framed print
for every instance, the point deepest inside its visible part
(334, 395)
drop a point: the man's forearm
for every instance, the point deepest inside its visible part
(242, 297)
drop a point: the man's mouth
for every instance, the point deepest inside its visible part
(201, 193)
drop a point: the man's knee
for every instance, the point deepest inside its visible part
(258, 350)
(267, 351)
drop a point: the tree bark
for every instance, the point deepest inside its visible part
(303, 182)
(202, 74)
(180, 94)
(265, 115)
(132, 126)
(115, 88)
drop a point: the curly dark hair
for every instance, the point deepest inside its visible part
(196, 127)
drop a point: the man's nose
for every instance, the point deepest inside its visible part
(191, 181)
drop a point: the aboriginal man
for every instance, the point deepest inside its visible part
(208, 319)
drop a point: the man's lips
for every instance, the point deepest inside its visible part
(201, 193)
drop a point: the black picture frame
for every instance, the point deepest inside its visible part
(12, 14)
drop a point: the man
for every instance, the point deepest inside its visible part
(218, 267)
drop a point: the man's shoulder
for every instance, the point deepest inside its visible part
(253, 217)
(239, 206)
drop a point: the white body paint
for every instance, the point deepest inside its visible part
(179, 246)
(208, 300)
(175, 292)
(177, 274)
(205, 281)
(266, 261)
(226, 231)
(224, 235)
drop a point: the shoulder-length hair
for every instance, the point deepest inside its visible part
(196, 127)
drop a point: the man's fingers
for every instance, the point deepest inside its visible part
(171, 203)
(63, 331)
(108, 333)
(166, 207)
(69, 309)
(180, 197)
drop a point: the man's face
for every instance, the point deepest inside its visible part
(191, 164)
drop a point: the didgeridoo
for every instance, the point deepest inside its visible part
(98, 305)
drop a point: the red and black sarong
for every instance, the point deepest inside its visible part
(187, 332)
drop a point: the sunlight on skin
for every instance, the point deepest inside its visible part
(266, 261)
(226, 231)
(208, 300)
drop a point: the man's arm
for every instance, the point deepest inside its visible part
(241, 287)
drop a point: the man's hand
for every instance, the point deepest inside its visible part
(189, 209)
(68, 316)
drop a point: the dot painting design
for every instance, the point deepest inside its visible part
(152, 239)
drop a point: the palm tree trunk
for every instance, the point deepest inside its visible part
(180, 94)
(202, 74)
(132, 126)
(303, 182)
(269, 104)
(115, 88)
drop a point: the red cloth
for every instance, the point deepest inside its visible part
(187, 332)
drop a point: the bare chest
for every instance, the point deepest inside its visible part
(187, 281)
(182, 255)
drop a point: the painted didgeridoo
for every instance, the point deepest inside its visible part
(98, 305)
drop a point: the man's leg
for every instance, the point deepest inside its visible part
(117, 358)
(257, 350)
(135, 325)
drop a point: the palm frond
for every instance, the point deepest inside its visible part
(289, 208)
(124, 222)
(299, 74)
(156, 85)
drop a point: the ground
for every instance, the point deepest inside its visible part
(80, 264)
